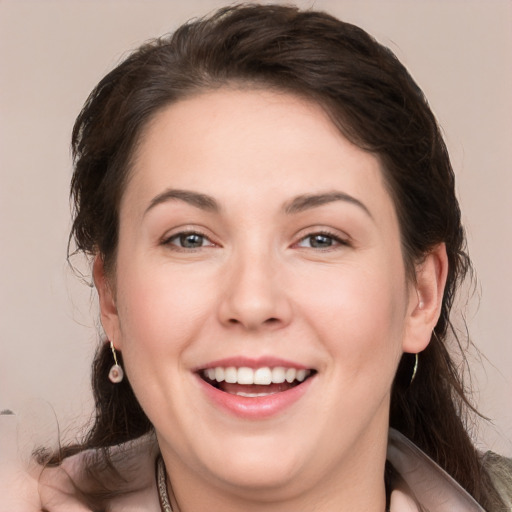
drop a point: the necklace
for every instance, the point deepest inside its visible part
(161, 484)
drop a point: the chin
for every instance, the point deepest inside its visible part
(258, 466)
(260, 477)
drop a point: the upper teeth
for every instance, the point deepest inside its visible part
(263, 376)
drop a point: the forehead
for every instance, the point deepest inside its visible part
(254, 139)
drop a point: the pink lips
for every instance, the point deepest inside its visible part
(254, 408)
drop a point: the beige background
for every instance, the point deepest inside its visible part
(51, 55)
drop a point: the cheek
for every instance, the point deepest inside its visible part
(160, 311)
(160, 316)
(361, 316)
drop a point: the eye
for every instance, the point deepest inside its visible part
(188, 240)
(321, 241)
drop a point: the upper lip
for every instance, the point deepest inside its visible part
(259, 362)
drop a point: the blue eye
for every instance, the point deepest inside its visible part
(189, 240)
(320, 241)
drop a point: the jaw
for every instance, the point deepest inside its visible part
(263, 466)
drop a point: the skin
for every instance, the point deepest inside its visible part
(258, 286)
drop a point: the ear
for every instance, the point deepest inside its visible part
(108, 309)
(426, 300)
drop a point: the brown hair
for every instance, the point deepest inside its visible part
(373, 101)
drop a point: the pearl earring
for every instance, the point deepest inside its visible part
(116, 373)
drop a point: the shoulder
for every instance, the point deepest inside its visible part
(122, 477)
(430, 486)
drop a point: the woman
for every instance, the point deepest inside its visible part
(276, 246)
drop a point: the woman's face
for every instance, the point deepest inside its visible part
(257, 245)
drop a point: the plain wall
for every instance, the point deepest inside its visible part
(51, 55)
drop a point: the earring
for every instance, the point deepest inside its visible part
(415, 369)
(116, 373)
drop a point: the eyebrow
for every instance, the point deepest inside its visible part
(202, 201)
(296, 205)
(307, 201)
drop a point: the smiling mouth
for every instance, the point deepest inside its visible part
(254, 382)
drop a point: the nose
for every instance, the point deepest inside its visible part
(254, 295)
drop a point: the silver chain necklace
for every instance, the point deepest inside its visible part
(161, 484)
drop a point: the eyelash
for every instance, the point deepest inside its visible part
(182, 235)
(335, 240)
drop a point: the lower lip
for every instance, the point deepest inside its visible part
(259, 407)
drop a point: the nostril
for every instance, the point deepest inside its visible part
(268, 321)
